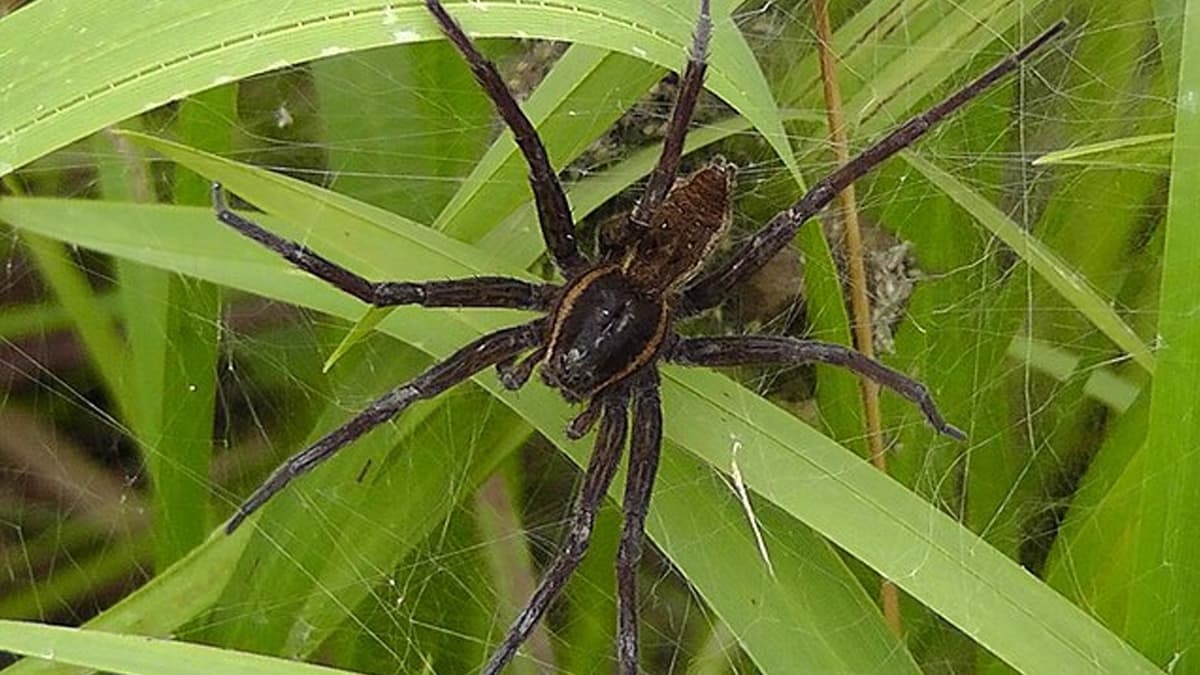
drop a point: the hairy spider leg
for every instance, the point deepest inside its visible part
(601, 468)
(554, 214)
(645, 445)
(663, 177)
(469, 292)
(474, 357)
(778, 349)
(710, 289)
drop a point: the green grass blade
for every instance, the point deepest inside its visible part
(1049, 266)
(1084, 154)
(174, 597)
(1164, 610)
(357, 333)
(105, 348)
(26, 320)
(130, 56)
(185, 396)
(1103, 384)
(140, 655)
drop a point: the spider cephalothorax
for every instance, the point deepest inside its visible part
(610, 324)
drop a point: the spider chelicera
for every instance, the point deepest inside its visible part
(607, 327)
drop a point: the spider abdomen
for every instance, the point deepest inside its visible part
(683, 231)
(604, 329)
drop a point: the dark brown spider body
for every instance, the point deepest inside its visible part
(605, 331)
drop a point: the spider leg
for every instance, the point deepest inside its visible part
(663, 176)
(644, 446)
(554, 214)
(582, 423)
(748, 349)
(515, 373)
(464, 363)
(471, 292)
(751, 256)
(601, 468)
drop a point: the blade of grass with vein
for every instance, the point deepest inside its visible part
(183, 338)
(1164, 585)
(1049, 266)
(926, 553)
(130, 57)
(97, 331)
(174, 597)
(1085, 154)
(139, 655)
(152, 302)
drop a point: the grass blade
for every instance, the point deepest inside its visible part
(114, 57)
(1164, 594)
(139, 655)
(1055, 271)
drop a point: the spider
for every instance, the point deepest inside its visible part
(609, 325)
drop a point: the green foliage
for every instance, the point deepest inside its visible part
(1060, 538)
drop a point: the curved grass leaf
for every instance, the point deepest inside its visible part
(1046, 263)
(1164, 581)
(1084, 154)
(140, 655)
(178, 594)
(117, 59)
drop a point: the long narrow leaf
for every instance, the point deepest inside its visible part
(1044, 261)
(112, 58)
(138, 655)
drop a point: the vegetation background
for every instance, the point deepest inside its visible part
(157, 366)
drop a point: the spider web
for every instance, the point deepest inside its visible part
(412, 552)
